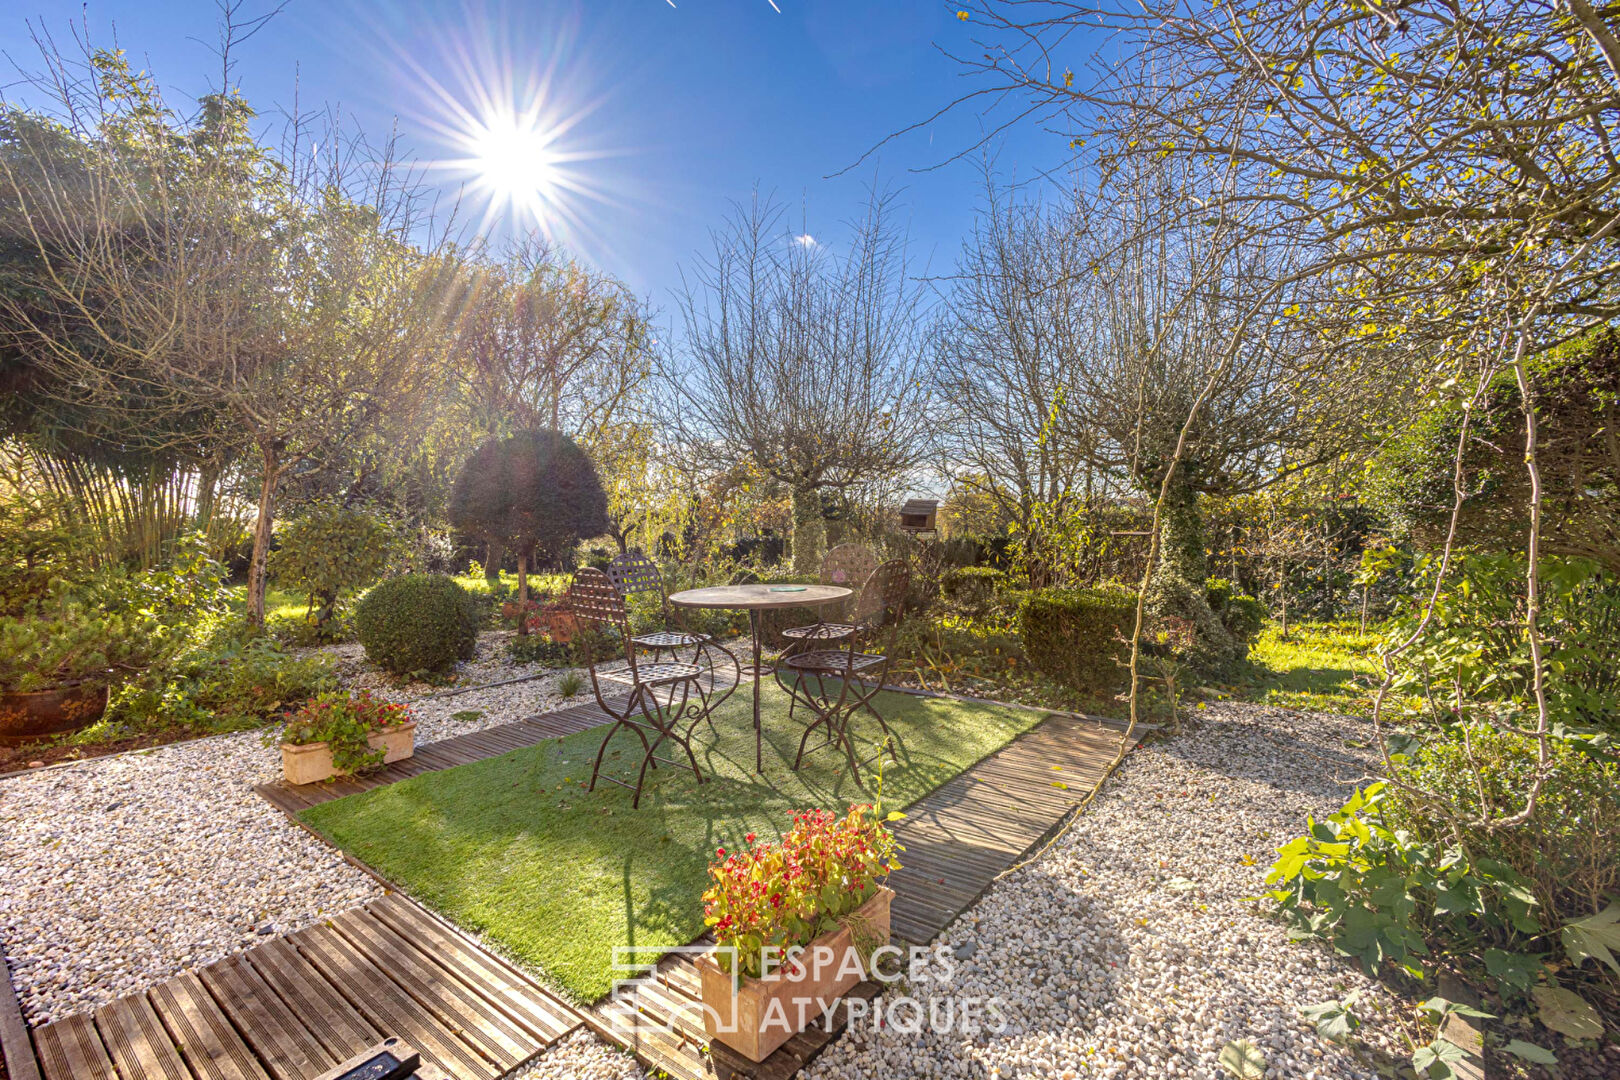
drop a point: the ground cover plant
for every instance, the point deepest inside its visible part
(515, 848)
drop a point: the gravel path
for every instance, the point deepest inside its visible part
(1128, 950)
(120, 872)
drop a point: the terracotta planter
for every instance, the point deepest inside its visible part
(757, 1016)
(39, 714)
(560, 624)
(311, 763)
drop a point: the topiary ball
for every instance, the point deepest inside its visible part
(417, 622)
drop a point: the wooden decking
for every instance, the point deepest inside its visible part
(445, 754)
(294, 1007)
(958, 838)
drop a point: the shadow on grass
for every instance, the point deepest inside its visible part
(515, 848)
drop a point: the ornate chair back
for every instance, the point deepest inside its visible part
(634, 573)
(596, 601)
(848, 564)
(882, 599)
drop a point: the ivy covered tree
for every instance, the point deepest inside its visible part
(536, 494)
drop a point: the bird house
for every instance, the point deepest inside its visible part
(919, 515)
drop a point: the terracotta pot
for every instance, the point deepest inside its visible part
(39, 714)
(756, 1016)
(311, 763)
(560, 624)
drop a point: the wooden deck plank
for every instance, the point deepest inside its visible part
(477, 1021)
(211, 1046)
(543, 1014)
(71, 1049)
(140, 1047)
(287, 1049)
(327, 1014)
(388, 1007)
(15, 1046)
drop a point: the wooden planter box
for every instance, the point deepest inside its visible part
(311, 763)
(744, 1017)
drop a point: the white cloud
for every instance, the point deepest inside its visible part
(805, 240)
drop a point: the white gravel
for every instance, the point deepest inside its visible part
(1108, 963)
(120, 872)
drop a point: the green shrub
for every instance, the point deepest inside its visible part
(1077, 636)
(224, 679)
(417, 622)
(328, 550)
(77, 643)
(1241, 614)
(1569, 850)
(1412, 881)
(973, 589)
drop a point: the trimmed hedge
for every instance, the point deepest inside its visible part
(1077, 636)
(417, 622)
(973, 588)
(1240, 613)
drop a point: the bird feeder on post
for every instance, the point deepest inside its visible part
(919, 518)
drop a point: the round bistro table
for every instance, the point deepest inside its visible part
(755, 599)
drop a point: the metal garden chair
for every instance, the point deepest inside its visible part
(634, 574)
(836, 683)
(849, 565)
(662, 694)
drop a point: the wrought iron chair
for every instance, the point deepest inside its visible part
(859, 675)
(846, 564)
(662, 694)
(634, 574)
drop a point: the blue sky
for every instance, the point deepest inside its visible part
(668, 113)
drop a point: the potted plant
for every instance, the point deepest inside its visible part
(337, 733)
(796, 924)
(56, 668)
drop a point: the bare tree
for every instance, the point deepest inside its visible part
(803, 359)
(543, 341)
(1002, 367)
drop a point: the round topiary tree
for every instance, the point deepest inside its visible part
(330, 549)
(536, 493)
(417, 622)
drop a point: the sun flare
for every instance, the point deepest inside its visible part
(517, 162)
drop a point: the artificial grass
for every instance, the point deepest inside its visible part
(514, 847)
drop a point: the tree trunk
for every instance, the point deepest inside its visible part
(259, 562)
(1181, 535)
(1175, 595)
(809, 531)
(523, 593)
(494, 555)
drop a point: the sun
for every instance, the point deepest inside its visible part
(516, 162)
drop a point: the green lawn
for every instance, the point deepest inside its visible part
(515, 848)
(1324, 667)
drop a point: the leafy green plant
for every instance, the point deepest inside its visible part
(1472, 658)
(570, 684)
(345, 722)
(223, 679)
(330, 549)
(417, 622)
(76, 643)
(539, 649)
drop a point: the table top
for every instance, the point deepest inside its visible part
(759, 597)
